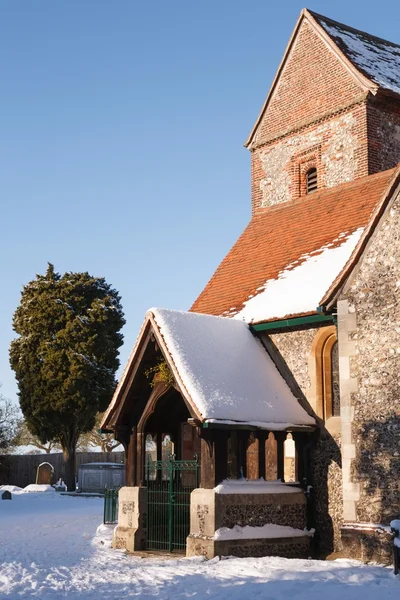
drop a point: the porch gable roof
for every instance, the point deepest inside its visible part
(223, 372)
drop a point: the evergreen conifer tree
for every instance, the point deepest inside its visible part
(66, 356)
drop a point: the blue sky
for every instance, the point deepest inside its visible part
(121, 138)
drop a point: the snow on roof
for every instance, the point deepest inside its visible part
(256, 424)
(226, 370)
(281, 237)
(378, 59)
(299, 288)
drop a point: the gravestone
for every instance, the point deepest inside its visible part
(6, 495)
(45, 474)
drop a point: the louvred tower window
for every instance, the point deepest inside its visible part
(311, 180)
(307, 172)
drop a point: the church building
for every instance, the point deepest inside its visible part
(266, 420)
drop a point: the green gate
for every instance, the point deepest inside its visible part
(169, 484)
(110, 506)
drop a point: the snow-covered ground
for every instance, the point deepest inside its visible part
(50, 549)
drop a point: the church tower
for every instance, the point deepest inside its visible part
(332, 114)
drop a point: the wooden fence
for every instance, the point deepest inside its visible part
(20, 469)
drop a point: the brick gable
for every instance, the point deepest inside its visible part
(314, 116)
(312, 84)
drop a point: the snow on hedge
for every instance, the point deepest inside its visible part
(226, 370)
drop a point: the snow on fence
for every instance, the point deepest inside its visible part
(20, 469)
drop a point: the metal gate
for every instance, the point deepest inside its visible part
(110, 506)
(169, 484)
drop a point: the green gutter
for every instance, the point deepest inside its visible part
(296, 322)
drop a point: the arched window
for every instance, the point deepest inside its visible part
(311, 180)
(326, 356)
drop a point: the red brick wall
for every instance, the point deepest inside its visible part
(316, 117)
(313, 83)
(383, 119)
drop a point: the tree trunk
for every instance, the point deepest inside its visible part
(69, 468)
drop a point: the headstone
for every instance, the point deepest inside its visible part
(44, 474)
(6, 495)
(60, 486)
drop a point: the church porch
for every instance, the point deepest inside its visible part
(195, 463)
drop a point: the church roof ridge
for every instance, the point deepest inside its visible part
(318, 17)
(375, 58)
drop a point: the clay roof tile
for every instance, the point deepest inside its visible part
(279, 237)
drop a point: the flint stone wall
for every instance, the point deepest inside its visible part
(332, 146)
(327, 507)
(295, 547)
(374, 295)
(384, 129)
(210, 511)
(375, 545)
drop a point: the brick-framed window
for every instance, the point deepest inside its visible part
(311, 180)
(304, 164)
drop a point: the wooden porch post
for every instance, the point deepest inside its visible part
(221, 455)
(123, 435)
(130, 467)
(140, 458)
(207, 467)
(280, 437)
(159, 445)
(262, 438)
(159, 454)
(242, 454)
(299, 440)
(214, 457)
